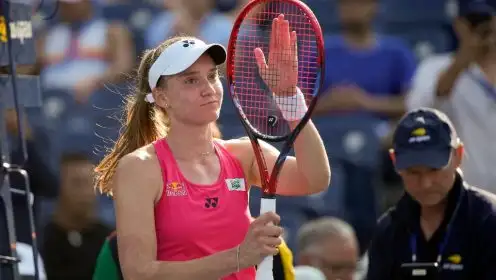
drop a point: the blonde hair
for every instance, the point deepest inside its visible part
(144, 123)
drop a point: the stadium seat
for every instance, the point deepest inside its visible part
(351, 137)
(56, 105)
(424, 39)
(326, 13)
(106, 108)
(71, 124)
(109, 103)
(226, 5)
(400, 11)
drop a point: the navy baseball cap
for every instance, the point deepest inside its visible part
(481, 7)
(424, 137)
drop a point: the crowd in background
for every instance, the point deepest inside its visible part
(375, 51)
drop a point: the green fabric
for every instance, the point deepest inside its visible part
(106, 268)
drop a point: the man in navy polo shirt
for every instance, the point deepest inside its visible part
(441, 227)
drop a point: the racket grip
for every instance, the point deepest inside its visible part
(264, 270)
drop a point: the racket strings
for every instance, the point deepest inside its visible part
(252, 93)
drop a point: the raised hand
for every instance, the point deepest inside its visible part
(280, 72)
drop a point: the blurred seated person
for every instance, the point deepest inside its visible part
(330, 245)
(74, 236)
(192, 17)
(83, 52)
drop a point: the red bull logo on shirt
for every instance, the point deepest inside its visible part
(175, 189)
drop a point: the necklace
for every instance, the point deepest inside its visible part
(206, 154)
(201, 155)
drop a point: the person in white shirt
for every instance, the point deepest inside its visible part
(462, 85)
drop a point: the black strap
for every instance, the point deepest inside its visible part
(278, 268)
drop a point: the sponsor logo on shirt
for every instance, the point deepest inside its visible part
(237, 184)
(175, 189)
(211, 202)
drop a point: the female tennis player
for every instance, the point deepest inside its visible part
(181, 196)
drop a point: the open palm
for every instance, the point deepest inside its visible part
(280, 72)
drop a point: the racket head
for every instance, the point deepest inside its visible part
(251, 96)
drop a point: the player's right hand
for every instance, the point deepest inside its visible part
(261, 241)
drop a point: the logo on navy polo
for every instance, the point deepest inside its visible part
(453, 262)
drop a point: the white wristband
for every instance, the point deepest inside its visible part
(294, 107)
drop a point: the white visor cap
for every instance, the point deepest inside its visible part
(181, 55)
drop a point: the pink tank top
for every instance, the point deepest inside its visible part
(194, 221)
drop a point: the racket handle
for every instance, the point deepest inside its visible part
(264, 270)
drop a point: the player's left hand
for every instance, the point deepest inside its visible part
(280, 72)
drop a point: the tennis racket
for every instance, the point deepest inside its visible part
(287, 33)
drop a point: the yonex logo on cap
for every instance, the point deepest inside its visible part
(186, 43)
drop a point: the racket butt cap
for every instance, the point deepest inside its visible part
(267, 205)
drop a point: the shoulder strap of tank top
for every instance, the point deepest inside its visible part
(223, 152)
(163, 155)
(227, 158)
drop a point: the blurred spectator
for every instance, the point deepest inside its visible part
(191, 17)
(74, 236)
(462, 84)
(330, 245)
(367, 75)
(83, 51)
